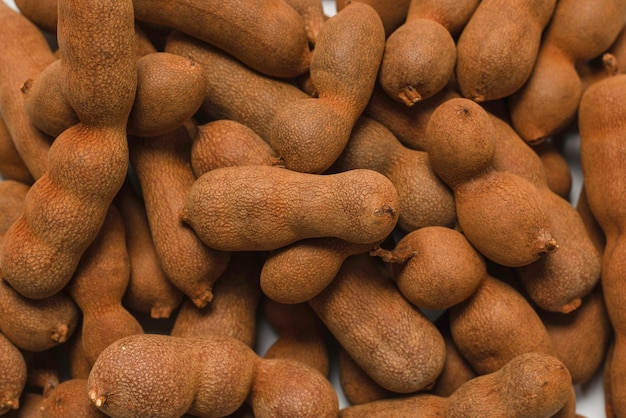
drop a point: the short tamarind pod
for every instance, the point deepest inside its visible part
(423, 199)
(253, 106)
(99, 285)
(269, 26)
(394, 342)
(42, 13)
(301, 335)
(601, 126)
(343, 71)
(486, 327)
(12, 166)
(499, 212)
(581, 338)
(557, 170)
(312, 13)
(589, 220)
(301, 270)
(69, 398)
(26, 54)
(559, 280)
(149, 289)
(285, 387)
(420, 55)
(497, 49)
(224, 142)
(88, 162)
(220, 201)
(189, 264)
(577, 31)
(392, 14)
(233, 310)
(456, 370)
(435, 267)
(356, 385)
(13, 375)
(36, 325)
(408, 124)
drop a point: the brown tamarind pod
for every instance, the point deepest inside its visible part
(149, 289)
(343, 71)
(98, 287)
(499, 212)
(591, 223)
(558, 173)
(312, 13)
(270, 26)
(435, 267)
(301, 335)
(66, 206)
(394, 342)
(190, 265)
(233, 310)
(41, 13)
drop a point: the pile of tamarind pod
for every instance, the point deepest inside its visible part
(384, 186)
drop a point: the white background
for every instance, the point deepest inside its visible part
(590, 397)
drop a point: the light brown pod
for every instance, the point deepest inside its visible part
(65, 208)
(581, 338)
(26, 54)
(189, 264)
(41, 13)
(435, 267)
(301, 335)
(149, 289)
(558, 280)
(394, 342)
(298, 272)
(13, 372)
(233, 310)
(602, 125)
(420, 55)
(98, 287)
(557, 170)
(271, 26)
(224, 142)
(200, 372)
(577, 31)
(423, 199)
(500, 213)
(497, 49)
(589, 220)
(69, 399)
(343, 71)
(221, 200)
